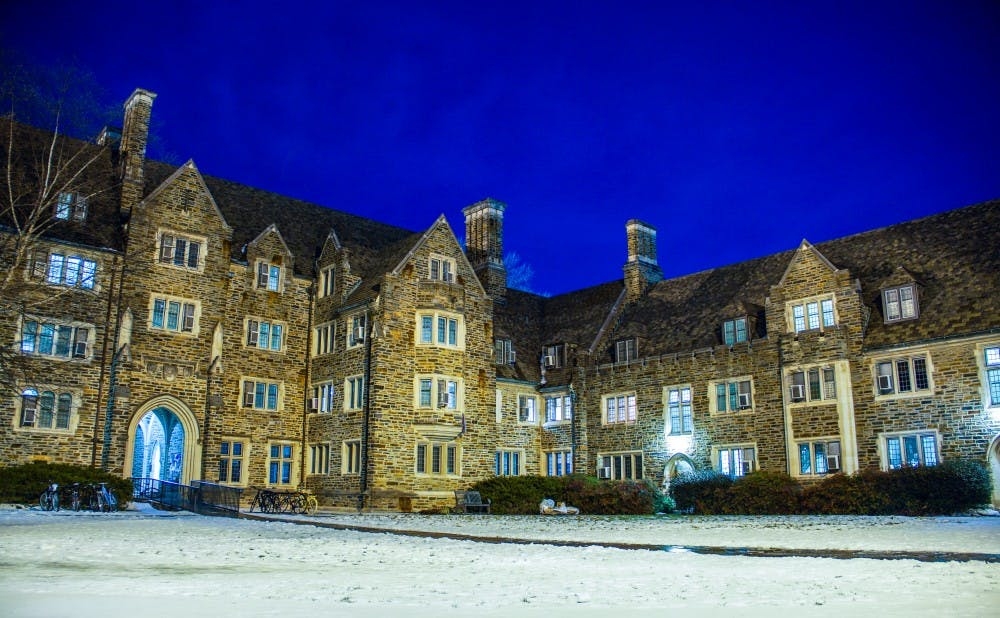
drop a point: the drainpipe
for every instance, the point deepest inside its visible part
(366, 409)
(307, 393)
(109, 412)
(108, 327)
(208, 414)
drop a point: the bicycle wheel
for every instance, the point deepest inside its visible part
(312, 505)
(44, 502)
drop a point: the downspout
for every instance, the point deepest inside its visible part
(308, 378)
(208, 414)
(109, 411)
(366, 410)
(104, 354)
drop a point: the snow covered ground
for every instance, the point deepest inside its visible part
(147, 562)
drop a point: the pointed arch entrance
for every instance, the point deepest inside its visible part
(993, 456)
(677, 465)
(163, 437)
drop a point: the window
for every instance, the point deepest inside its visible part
(357, 329)
(679, 410)
(626, 350)
(71, 206)
(911, 450)
(732, 395)
(268, 276)
(280, 464)
(900, 303)
(437, 458)
(527, 409)
(559, 463)
(815, 384)
(181, 251)
(558, 408)
(46, 410)
(173, 314)
(231, 462)
(620, 466)
(504, 352)
(260, 395)
(619, 408)
(265, 335)
(71, 271)
(991, 359)
(442, 269)
(56, 340)
(507, 463)
(734, 331)
(351, 457)
(323, 337)
(819, 457)
(442, 330)
(552, 356)
(354, 393)
(319, 458)
(902, 375)
(734, 461)
(439, 392)
(326, 282)
(323, 395)
(812, 314)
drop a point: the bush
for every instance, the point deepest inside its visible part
(701, 491)
(522, 494)
(24, 483)
(840, 494)
(763, 493)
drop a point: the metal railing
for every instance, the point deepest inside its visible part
(199, 497)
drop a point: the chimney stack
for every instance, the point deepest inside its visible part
(641, 269)
(135, 136)
(484, 244)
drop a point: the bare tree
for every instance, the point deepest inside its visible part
(43, 167)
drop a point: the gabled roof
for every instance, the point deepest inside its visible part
(166, 183)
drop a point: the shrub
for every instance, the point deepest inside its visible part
(841, 494)
(522, 494)
(24, 483)
(763, 493)
(701, 491)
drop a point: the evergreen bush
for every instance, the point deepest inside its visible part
(23, 484)
(522, 494)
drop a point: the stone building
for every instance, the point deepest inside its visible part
(182, 327)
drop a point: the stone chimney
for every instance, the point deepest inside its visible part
(132, 155)
(484, 245)
(641, 269)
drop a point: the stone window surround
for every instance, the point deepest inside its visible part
(436, 399)
(819, 302)
(713, 404)
(744, 449)
(319, 458)
(436, 333)
(893, 392)
(833, 454)
(189, 239)
(884, 439)
(243, 457)
(74, 416)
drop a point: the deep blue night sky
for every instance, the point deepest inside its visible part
(735, 128)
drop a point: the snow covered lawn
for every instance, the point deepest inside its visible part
(158, 563)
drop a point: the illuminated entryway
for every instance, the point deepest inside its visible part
(994, 459)
(677, 465)
(162, 440)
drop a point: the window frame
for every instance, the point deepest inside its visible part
(260, 398)
(905, 309)
(327, 282)
(228, 457)
(508, 462)
(558, 408)
(350, 457)
(624, 465)
(556, 352)
(324, 338)
(804, 391)
(440, 329)
(282, 469)
(56, 340)
(187, 247)
(265, 329)
(354, 393)
(319, 459)
(801, 321)
(356, 321)
(70, 206)
(527, 409)
(729, 394)
(437, 458)
(559, 462)
(890, 389)
(732, 328)
(59, 406)
(988, 358)
(503, 351)
(186, 319)
(54, 268)
(887, 453)
(742, 462)
(831, 448)
(627, 400)
(433, 391)
(269, 276)
(325, 394)
(441, 268)
(626, 350)
(684, 410)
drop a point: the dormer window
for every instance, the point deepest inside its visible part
(900, 303)
(180, 251)
(356, 329)
(268, 276)
(553, 356)
(626, 350)
(811, 314)
(71, 206)
(326, 282)
(442, 269)
(734, 331)
(504, 351)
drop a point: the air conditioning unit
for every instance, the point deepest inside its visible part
(314, 404)
(548, 361)
(833, 463)
(511, 357)
(797, 392)
(525, 414)
(80, 349)
(359, 334)
(744, 400)
(442, 400)
(248, 400)
(604, 473)
(448, 277)
(884, 384)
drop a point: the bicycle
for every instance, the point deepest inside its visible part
(71, 497)
(49, 500)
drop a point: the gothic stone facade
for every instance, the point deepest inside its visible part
(183, 327)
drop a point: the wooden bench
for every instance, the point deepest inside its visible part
(471, 502)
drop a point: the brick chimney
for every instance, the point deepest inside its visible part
(641, 269)
(135, 135)
(484, 244)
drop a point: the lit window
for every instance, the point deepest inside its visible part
(620, 408)
(816, 384)
(527, 407)
(679, 410)
(911, 450)
(71, 206)
(734, 331)
(820, 457)
(559, 463)
(991, 357)
(56, 340)
(735, 461)
(620, 466)
(280, 464)
(260, 395)
(68, 270)
(268, 276)
(181, 251)
(319, 458)
(900, 303)
(46, 409)
(902, 375)
(231, 462)
(732, 395)
(437, 458)
(558, 408)
(812, 314)
(507, 463)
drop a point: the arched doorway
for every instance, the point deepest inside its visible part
(994, 461)
(164, 435)
(676, 465)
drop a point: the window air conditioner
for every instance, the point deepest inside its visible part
(80, 349)
(833, 463)
(548, 361)
(443, 400)
(525, 414)
(359, 334)
(248, 400)
(604, 473)
(511, 357)
(314, 404)
(447, 277)
(797, 392)
(884, 384)
(744, 400)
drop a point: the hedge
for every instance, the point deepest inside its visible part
(521, 495)
(23, 484)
